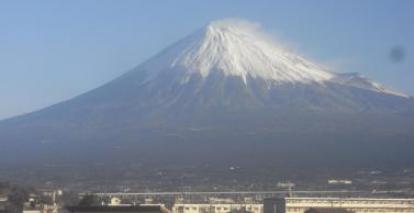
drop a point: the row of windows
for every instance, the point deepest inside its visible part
(354, 201)
(359, 210)
(194, 208)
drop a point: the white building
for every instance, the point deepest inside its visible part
(3, 203)
(357, 205)
(216, 207)
(338, 182)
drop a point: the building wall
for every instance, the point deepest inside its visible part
(215, 208)
(113, 212)
(32, 211)
(357, 205)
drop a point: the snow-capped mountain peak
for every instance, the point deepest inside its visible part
(238, 48)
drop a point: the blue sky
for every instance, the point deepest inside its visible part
(54, 50)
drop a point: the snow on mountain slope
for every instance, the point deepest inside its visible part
(239, 48)
(359, 81)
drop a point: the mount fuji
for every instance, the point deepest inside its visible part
(226, 93)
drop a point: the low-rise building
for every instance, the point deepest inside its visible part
(216, 207)
(356, 205)
(328, 210)
(118, 209)
(3, 204)
(33, 206)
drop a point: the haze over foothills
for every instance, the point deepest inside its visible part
(52, 51)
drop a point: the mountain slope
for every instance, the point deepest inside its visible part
(226, 89)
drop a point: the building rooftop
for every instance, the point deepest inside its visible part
(327, 210)
(145, 208)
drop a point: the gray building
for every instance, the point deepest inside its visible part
(274, 205)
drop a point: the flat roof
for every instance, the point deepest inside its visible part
(138, 208)
(349, 198)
